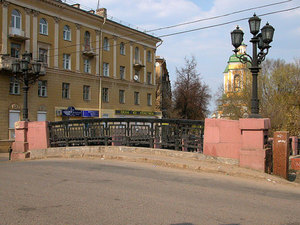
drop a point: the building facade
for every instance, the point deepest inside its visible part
(163, 90)
(93, 66)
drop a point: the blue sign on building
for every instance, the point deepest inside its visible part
(90, 113)
(71, 111)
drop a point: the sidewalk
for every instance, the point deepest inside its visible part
(4, 157)
(160, 157)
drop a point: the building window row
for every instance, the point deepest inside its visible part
(43, 29)
(43, 53)
(14, 87)
(105, 97)
(42, 92)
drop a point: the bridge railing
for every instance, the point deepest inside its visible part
(186, 135)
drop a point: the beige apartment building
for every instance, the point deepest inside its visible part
(93, 67)
(163, 91)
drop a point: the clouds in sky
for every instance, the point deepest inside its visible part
(211, 47)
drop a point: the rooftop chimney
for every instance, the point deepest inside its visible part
(76, 6)
(102, 12)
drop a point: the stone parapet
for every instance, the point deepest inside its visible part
(243, 140)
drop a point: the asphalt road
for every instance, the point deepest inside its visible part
(79, 191)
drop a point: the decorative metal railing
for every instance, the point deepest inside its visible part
(174, 134)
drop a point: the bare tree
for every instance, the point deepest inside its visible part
(191, 95)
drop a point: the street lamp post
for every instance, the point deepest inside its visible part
(260, 41)
(28, 72)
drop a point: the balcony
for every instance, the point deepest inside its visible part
(88, 51)
(6, 61)
(17, 34)
(6, 64)
(137, 64)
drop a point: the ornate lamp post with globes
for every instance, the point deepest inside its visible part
(260, 41)
(28, 72)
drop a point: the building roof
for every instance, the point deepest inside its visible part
(92, 12)
(233, 59)
(226, 69)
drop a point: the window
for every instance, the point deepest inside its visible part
(149, 78)
(66, 90)
(14, 86)
(237, 83)
(87, 66)
(86, 92)
(15, 50)
(42, 88)
(16, 22)
(105, 95)
(136, 98)
(41, 116)
(149, 58)
(67, 33)
(137, 55)
(122, 48)
(87, 41)
(149, 99)
(106, 44)
(66, 61)
(121, 96)
(43, 55)
(122, 72)
(106, 69)
(43, 26)
(136, 75)
(14, 116)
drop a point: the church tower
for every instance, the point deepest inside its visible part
(235, 72)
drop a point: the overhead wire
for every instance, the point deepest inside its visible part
(182, 24)
(193, 30)
(229, 22)
(217, 17)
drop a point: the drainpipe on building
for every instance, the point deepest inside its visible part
(101, 67)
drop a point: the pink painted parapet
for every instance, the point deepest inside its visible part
(20, 146)
(38, 135)
(222, 138)
(254, 138)
(29, 136)
(242, 140)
